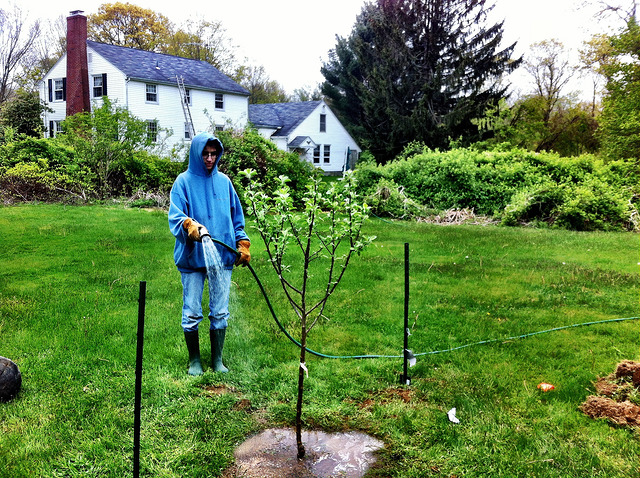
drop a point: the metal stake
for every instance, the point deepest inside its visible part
(405, 378)
(138, 392)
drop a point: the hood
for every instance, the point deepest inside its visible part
(196, 163)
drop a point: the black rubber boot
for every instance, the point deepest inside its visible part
(217, 344)
(193, 346)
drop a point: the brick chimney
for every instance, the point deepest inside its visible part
(77, 68)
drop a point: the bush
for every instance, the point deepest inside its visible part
(144, 171)
(594, 205)
(517, 186)
(37, 182)
(246, 149)
(389, 199)
(34, 169)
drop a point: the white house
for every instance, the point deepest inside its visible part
(310, 128)
(146, 83)
(173, 93)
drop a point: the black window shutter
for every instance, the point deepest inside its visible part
(64, 89)
(50, 90)
(50, 128)
(104, 84)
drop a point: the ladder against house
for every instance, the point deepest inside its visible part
(184, 101)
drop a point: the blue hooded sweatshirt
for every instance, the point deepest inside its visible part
(210, 199)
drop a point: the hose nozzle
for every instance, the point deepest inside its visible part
(203, 232)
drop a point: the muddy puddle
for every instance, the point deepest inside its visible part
(272, 454)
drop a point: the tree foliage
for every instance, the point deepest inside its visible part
(128, 25)
(203, 40)
(417, 70)
(104, 137)
(620, 120)
(262, 89)
(22, 113)
(547, 118)
(309, 250)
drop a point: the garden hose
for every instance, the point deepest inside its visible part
(482, 342)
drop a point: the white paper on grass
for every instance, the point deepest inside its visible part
(411, 359)
(452, 415)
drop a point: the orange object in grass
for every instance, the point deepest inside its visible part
(545, 387)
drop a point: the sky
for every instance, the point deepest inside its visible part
(292, 38)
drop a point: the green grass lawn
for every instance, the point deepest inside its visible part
(69, 286)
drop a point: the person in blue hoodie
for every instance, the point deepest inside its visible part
(203, 201)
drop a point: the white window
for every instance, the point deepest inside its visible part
(152, 93)
(327, 153)
(98, 86)
(58, 90)
(187, 96)
(152, 131)
(219, 101)
(316, 154)
(187, 131)
(219, 127)
(55, 127)
(323, 123)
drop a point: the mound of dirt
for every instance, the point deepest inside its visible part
(612, 402)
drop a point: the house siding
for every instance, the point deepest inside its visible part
(336, 136)
(131, 94)
(59, 108)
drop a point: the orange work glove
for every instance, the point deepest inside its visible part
(194, 229)
(244, 256)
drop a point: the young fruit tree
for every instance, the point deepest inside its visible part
(309, 249)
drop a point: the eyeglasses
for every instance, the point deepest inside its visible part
(206, 154)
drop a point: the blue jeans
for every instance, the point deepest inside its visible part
(192, 289)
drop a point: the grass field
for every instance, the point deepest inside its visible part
(68, 317)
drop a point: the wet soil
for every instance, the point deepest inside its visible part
(272, 454)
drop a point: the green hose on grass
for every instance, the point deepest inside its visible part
(482, 342)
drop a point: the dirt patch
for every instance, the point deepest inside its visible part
(393, 394)
(616, 396)
(457, 217)
(272, 454)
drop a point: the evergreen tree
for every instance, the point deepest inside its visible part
(417, 70)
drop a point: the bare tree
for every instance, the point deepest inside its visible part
(625, 10)
(551, 71)
(16, 46)
(262, 89)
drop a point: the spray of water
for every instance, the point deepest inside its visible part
(215, 268)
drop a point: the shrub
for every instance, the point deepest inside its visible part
(246, 149)
(537, 203)
(144, 171)
(594, 205)
(517, 186)
(389, 199)
(36, 182)
(34, 169)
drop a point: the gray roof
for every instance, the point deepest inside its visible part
(285, 116)
(298, 140)
(161, 68)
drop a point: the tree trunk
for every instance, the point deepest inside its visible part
(301, 374)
